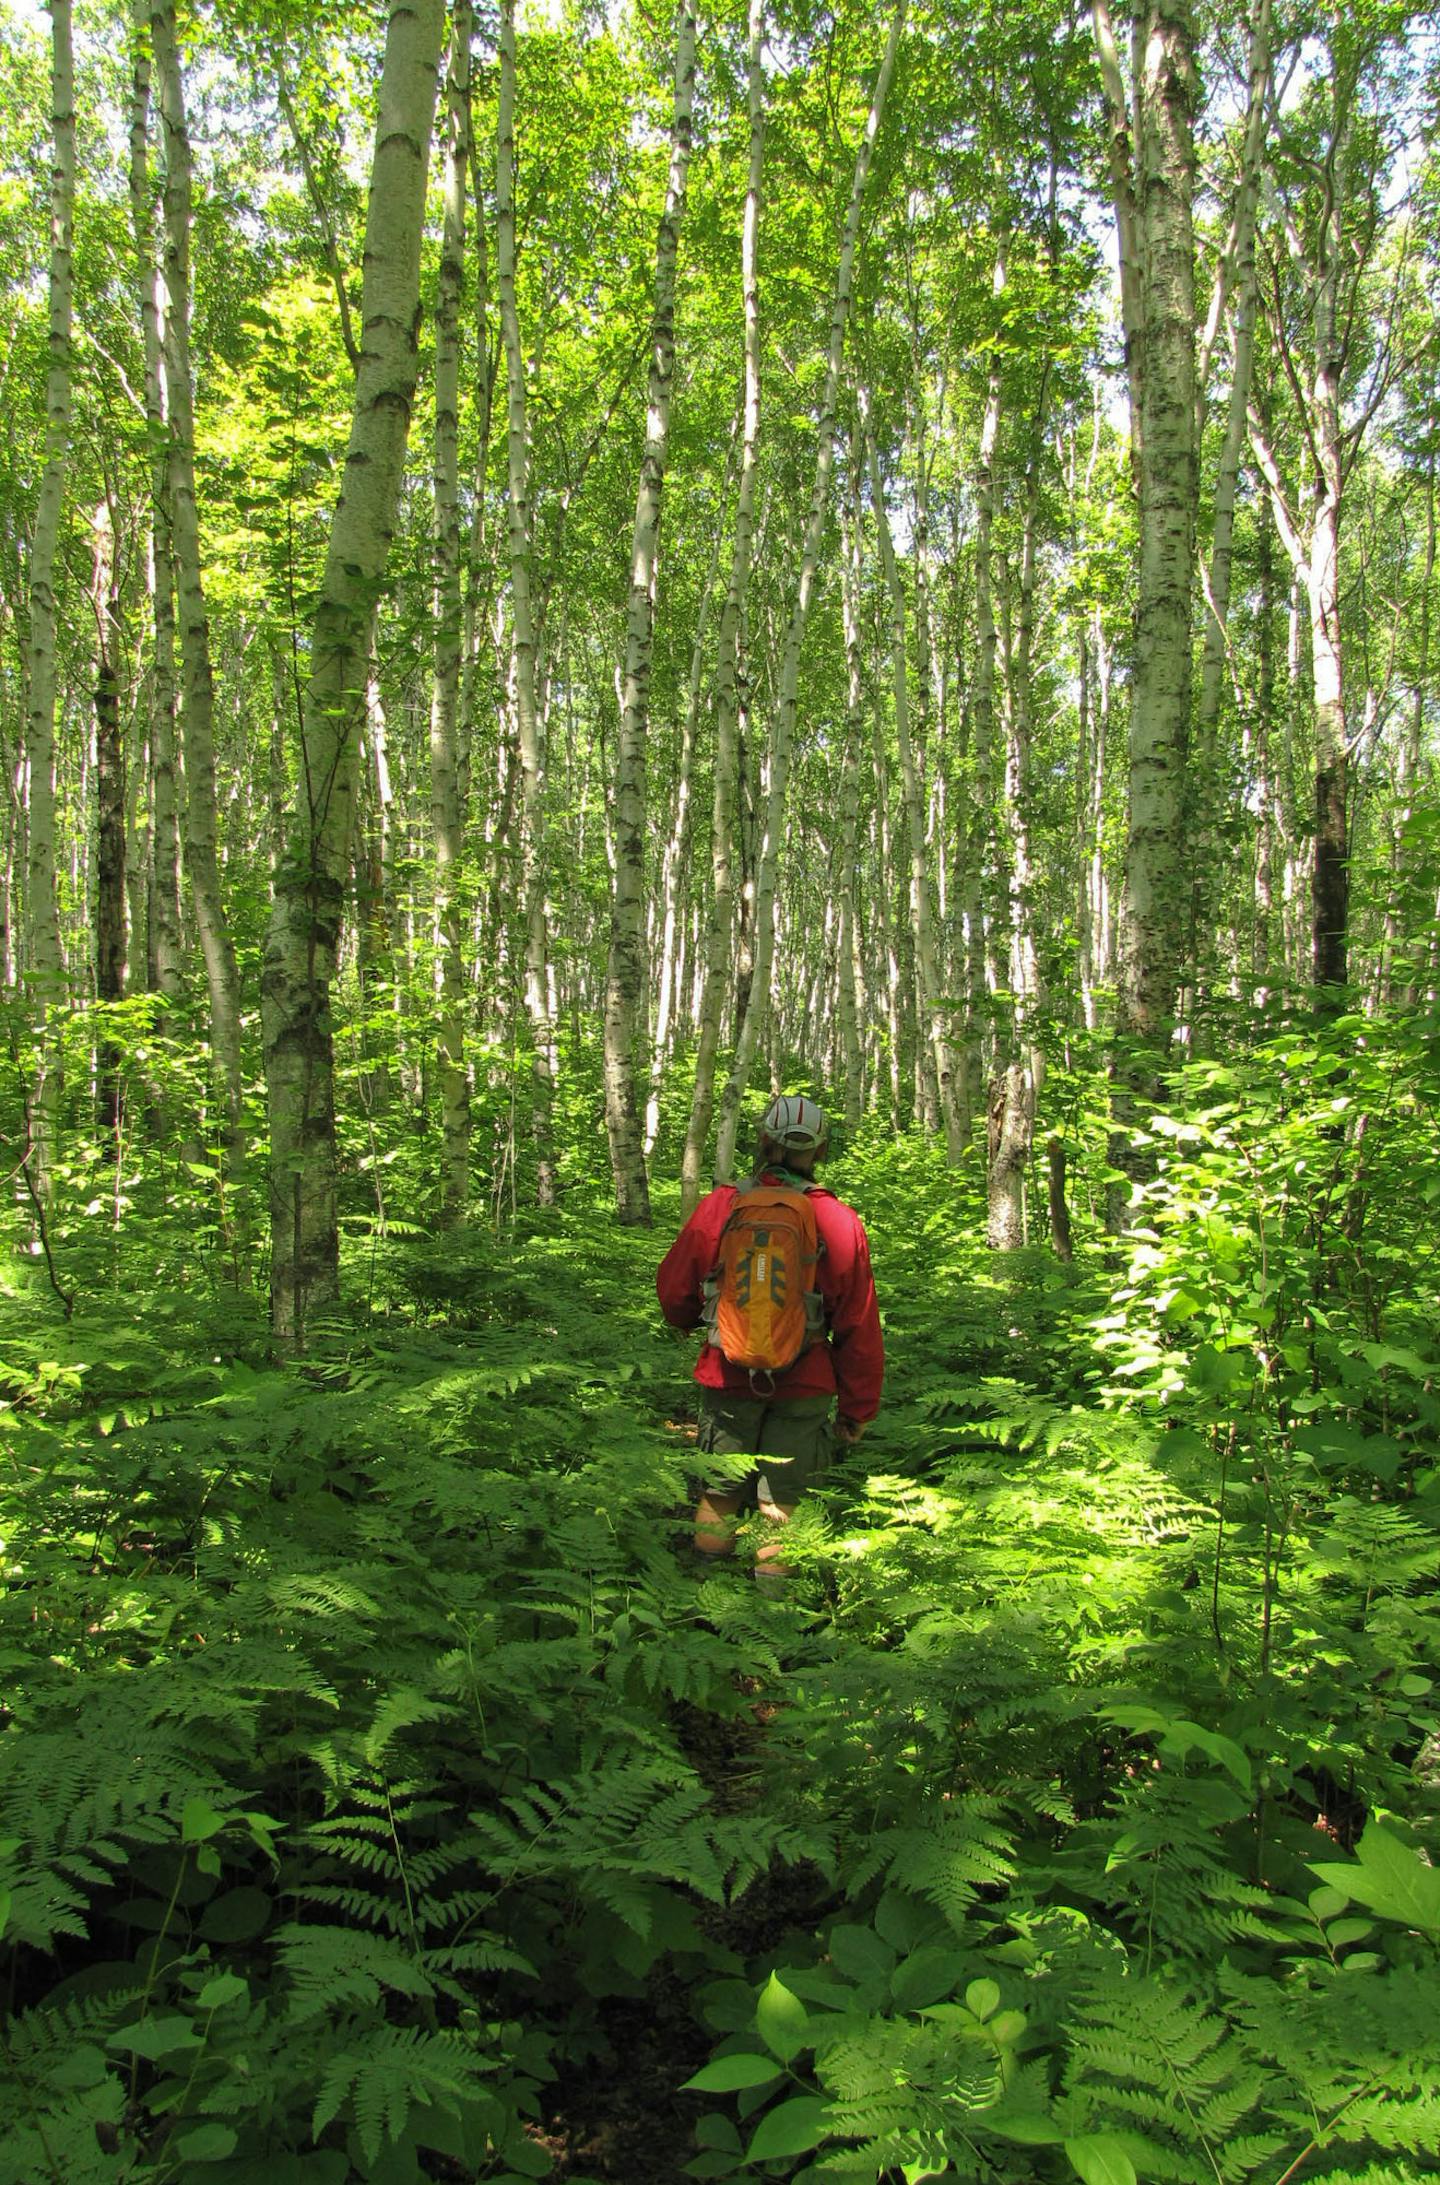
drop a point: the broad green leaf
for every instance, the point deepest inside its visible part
(782, 2021)
(207, 2143)
(222, 1989)
(791, 2129)
(1100, 2159)
(200, 1820)
(729, 2073)
(860, 1953)
(925, 1976)
(1389, 1878)
(983, 1998)
(1029, 2131)
(153, 2038)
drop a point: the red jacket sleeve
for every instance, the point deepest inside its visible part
(857, 1346)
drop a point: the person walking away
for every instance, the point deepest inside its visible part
(778, 1271)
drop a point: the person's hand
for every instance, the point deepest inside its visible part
(850, 1430)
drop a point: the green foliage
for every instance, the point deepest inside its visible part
(367, 1742)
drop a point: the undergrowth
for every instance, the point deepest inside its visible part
(368, 1733)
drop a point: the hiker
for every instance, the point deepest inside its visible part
(721, 1270)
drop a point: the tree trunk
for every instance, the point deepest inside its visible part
(537, 974)
(677, 851)
(1011, 1124)
(726, 769)
(304, 927)
(922, 914)
(851, 1062)
(109, 807)
(625, 975)
(1167, 476)
(446, 806)
(201, 829)
(788, 695)
(164, 954)
(46, 962)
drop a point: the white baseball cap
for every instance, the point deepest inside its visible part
(792, 1120)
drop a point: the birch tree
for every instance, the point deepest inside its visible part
(300, 946)
(1152, 161)
(46, 962)
(201, 837)
(523, 647)
(625, 976)
(446, 803)
(787, 696)
(725, 766)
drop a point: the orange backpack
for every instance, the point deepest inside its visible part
(761, 1302)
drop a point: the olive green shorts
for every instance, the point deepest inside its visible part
(794, 1440)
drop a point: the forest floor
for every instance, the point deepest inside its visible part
(375, 1737)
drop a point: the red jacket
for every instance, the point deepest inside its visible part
(851, 1363)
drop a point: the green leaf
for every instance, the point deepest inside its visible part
(153, 2038)
(729, 2073)
(983, 1998)
(1390, 1878)
(925, 1976)
(860, 1953)
(207, 2143)
(782, 2021)
(792, 2129)
(1100, 2159)
(238, 1916)
(199, 1821)
(222, 1989)
(1029, 2131)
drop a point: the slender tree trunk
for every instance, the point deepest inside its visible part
(164, 947)
(851, 1062)
(446, 806)
(201, 826)
(677, 851)
(109, 805)
(301, 944)
(625, 976)
(46, 961)
(922, 913)
(1011, 1129)
(788, 695)
(524, 656)
(1238, 272)
(1167, 473)
(727, 769)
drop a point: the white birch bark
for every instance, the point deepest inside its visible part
(164, 950)
(201, 847)
(626, 970)
(673, 864)
(46, 964)
(726, 766)
(847, 1010)
(787, 699)
(446, 807)
(523, 646)
(301, 945)
(922, 915)
(1168, 479)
